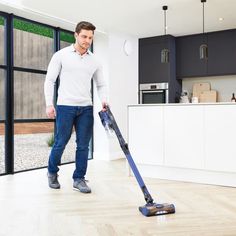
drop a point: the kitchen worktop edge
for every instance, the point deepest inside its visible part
(182, 104)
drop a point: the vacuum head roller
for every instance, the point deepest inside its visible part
(154, 209)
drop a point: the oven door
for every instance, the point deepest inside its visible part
(153, 96)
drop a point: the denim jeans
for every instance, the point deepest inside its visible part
(81, 117)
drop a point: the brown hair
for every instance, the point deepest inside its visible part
(84, 25)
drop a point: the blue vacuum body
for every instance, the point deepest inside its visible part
(150, 208)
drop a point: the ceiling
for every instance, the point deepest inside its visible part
(138, 17)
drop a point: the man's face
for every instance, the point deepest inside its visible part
(84, 38)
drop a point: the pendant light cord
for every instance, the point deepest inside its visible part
(203, 17)
(165, 22)
(164, 9)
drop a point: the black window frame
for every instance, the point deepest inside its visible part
(9, 95)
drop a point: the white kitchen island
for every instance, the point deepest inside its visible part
(187, 142)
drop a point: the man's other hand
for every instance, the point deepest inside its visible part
(51, 112)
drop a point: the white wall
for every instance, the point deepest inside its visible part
(123, 78)
(101, 141)
(121, 72)
(224, 85)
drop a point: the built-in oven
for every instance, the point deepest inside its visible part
(153, 93)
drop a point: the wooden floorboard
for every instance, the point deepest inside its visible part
(29, 207)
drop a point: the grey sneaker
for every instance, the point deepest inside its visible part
(81, 185)
(53, 181)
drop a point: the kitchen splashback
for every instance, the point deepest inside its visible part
(224, 85)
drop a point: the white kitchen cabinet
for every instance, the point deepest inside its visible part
(220, 138)
(145, 128)
(186, 142)
(184, 138)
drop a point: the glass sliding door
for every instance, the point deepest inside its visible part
(33, 49)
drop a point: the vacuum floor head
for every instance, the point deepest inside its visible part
(154, 209)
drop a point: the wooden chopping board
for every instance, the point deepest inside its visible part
(208, 96)
(198, 88)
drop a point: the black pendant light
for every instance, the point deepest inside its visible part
(165, 51)
(203, 47)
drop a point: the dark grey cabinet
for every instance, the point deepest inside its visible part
(221, 54)
(188, 62)
(151, 70)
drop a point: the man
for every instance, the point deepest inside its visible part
(76, 66)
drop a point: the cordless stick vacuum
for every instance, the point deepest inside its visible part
(150, 208)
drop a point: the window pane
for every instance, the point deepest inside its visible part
(29, 100)
(66, 39)
(2, 121)
(33, 45)
(2, 44)
(32, 144)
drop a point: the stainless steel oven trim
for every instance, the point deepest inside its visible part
(157, 86)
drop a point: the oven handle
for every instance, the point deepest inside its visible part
(153, 91)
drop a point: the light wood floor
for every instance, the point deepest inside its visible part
(29, 207)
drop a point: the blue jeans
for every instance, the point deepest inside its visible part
(81, 117)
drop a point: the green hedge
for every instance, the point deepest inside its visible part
(39, 29)
(67, 37)
(1, 20)
(32, 28)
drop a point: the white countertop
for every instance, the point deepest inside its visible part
(182, 104)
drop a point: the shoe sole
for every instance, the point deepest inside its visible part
(55, 187)
(76, 189)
